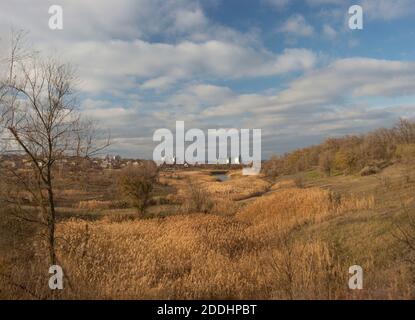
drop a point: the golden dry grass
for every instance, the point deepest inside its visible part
(283, 245)
(238, 188)
(94, 204)
(293, 207)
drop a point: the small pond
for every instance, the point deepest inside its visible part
(220, 176)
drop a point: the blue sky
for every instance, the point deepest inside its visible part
(292, 68)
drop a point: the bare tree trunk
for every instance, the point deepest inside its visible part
(51, 225)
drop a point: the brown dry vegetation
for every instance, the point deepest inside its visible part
(289, 243)
(366, 154)
(288, 237)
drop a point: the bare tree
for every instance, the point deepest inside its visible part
(405, 131)
(39, 121)
(197, 199)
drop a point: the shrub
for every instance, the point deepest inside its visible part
(197, 199)
(135, 184)
(369, 170)
(299, 182)
(326, 162)
(405, 152)
(346, 161)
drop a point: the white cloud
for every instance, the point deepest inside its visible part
(158, 83)
(357, 77)
(195, 97)
(160, 65)
(112, 45)
(210, 93)
(298, 26)
(340, 83)
(189, 19)
(104, 19)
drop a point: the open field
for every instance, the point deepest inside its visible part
(256, 238)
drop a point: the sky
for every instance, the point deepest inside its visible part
(292, 68)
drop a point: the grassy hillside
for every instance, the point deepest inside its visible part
(364, 154)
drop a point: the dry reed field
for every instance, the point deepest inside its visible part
(289, 243)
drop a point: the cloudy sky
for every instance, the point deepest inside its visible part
(292, 68)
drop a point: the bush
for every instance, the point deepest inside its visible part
(405, 152)
(197, 199)
(326, 162)
(299, 182)
(135, 184)
(369, 170)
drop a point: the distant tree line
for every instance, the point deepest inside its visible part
(350, 154)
